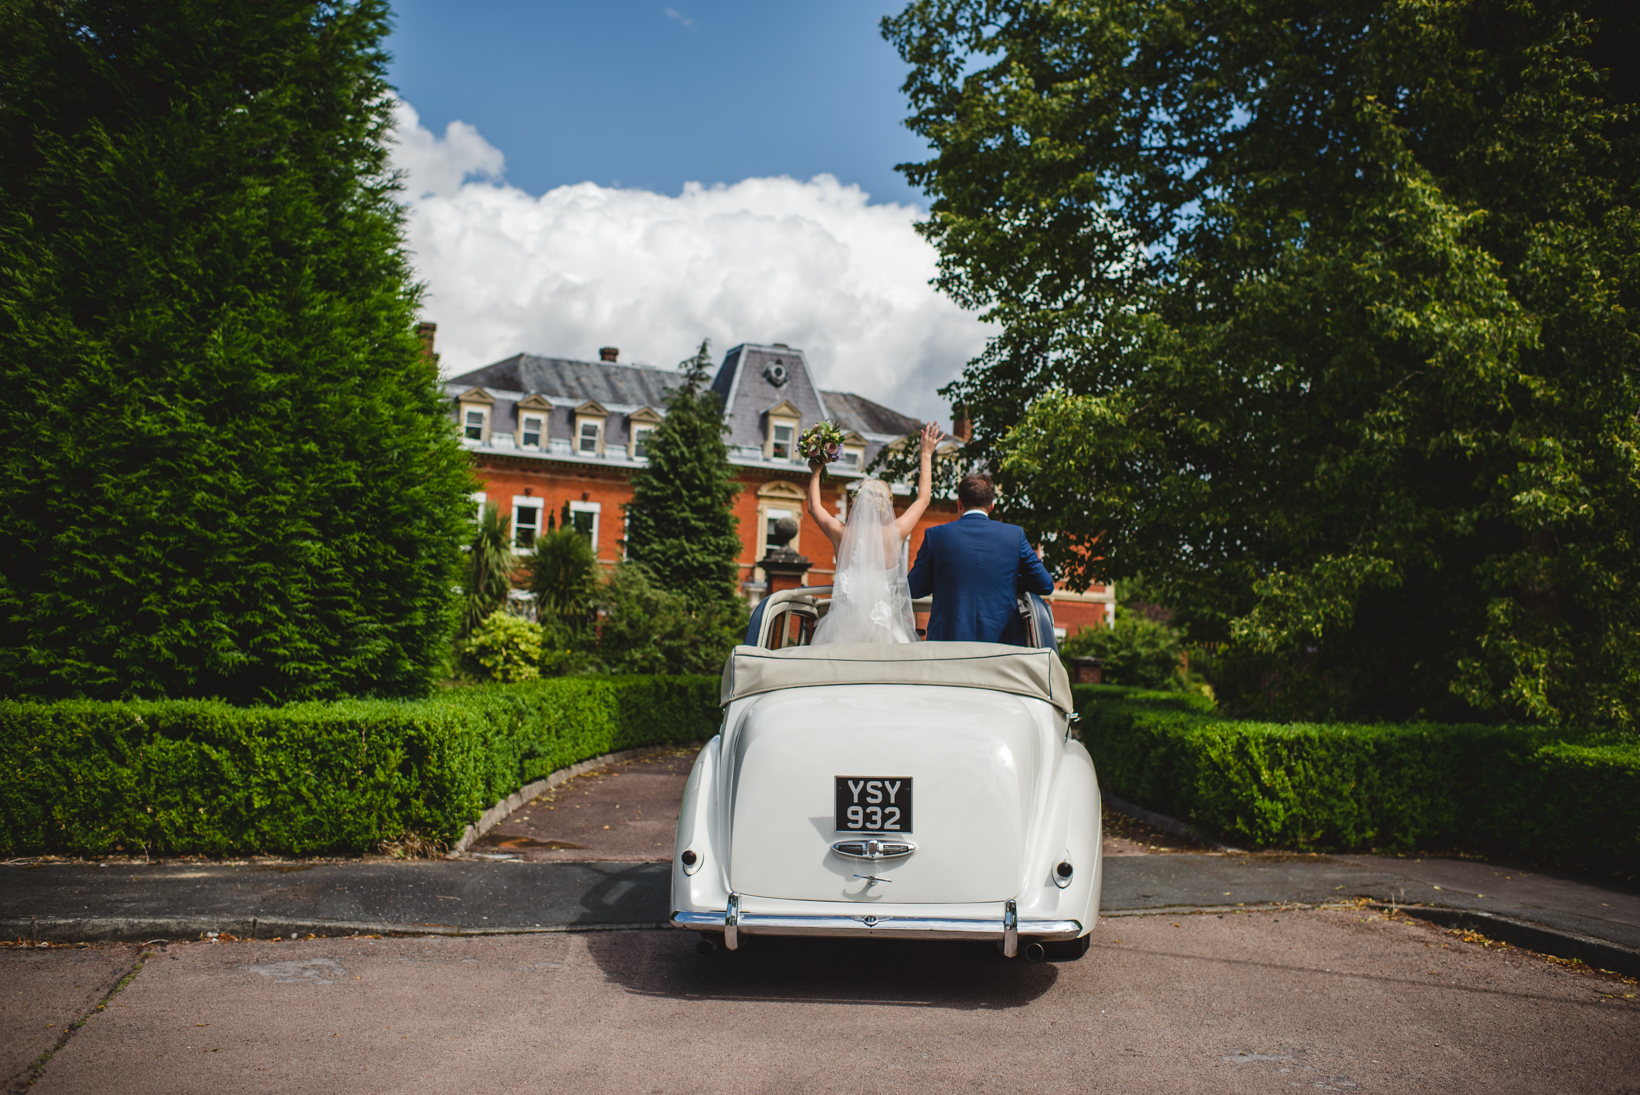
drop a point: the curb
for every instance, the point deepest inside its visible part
(178, 929)
(492, 817)
(1528, 935)
(1169, 825)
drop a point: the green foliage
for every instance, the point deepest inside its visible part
(1512, 790)
(649, 629)
(228, 469)
(1139, 651)
(88, 778)
(564, 577)
(490, 565)
(681, 523)
(1322, 317)
(505, 648)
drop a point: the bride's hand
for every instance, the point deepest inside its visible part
(932, 435)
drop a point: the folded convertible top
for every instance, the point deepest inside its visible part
(1023, 671)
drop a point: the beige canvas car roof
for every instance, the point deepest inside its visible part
(1022, 671)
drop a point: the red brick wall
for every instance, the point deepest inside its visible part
(502, 479)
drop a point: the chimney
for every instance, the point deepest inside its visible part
(962, 427)
(608, 353)
(425, 332)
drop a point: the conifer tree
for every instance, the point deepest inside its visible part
(681, 523)
(225, 464)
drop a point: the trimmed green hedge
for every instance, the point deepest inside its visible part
(1506, 789)
(92, 778)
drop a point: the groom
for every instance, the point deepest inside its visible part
(975, 567)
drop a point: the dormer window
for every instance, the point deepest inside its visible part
(533, 413)
(854, 451)
(639, 425)
(589, 428)
(473, 411)
(780, 438)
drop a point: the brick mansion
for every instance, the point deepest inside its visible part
(549, 432)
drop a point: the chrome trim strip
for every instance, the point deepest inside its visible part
(892, 927)
(1010, 929)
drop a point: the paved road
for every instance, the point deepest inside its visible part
(1328, 1000)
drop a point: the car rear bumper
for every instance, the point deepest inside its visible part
(1006, 929)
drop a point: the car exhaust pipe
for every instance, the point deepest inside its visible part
(705, 947)
(1035, 952)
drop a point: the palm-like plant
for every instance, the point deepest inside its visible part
(564, 577)
(490, 565)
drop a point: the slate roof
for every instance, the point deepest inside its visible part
(751, 380)
(856, 412)
(557, 377)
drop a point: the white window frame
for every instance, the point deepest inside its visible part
(521, 501)
(581, 436)
(853, 457)
(587, 507)
(467, 412)
(540, 431)
(480, 499)
(775, 442)
(640, 437)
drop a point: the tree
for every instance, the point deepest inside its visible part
(681, 524)
(228, 469)
(647, 628)
(564, 576)
(490, 565)
(1320, 316)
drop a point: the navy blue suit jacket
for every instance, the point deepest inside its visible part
(975, 568)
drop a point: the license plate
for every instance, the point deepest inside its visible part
(873, 804)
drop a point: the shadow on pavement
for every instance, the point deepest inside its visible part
(963, 976)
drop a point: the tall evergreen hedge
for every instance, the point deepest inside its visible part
(225, 469)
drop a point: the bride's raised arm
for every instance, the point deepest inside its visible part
(829, 524)
(932, 435)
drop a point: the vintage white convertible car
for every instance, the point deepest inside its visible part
(917, 791)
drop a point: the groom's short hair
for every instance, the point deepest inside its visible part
(976, 491)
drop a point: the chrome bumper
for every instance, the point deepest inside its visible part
(734, 922)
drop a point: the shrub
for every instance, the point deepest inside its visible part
(1336, 786)
(564, 577)
(647, 629)
(505, 648)
(490, 565)
(1139, 651)
(89, 778)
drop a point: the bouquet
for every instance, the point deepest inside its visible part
(821, 443)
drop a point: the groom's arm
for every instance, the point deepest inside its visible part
(1033, 575)
(921, 578)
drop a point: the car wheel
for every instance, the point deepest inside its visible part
(1067, 950)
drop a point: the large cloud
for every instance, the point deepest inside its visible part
(811, 264)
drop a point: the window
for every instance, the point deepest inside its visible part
(526, 522)
(782, 448)
(475, 426)
(479, 498)
(589, 438)
(583, 517)
(851, 459)
(530, 435)
(640, 440)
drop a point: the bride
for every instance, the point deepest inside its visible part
(870, 601)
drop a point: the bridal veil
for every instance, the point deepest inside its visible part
(870, 601)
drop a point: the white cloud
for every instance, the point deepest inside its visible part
(811, 264)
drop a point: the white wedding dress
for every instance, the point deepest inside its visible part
(870, 601)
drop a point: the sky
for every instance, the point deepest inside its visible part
(646, 175)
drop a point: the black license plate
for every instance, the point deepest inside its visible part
(873, 804)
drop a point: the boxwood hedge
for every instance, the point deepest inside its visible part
(1519, 790)
(94, 778)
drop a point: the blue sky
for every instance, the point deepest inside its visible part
(633, 93)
